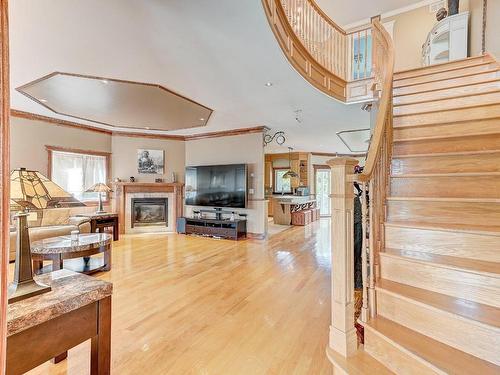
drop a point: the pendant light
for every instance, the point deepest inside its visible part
(290, 173)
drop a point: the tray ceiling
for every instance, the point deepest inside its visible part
(115, 102)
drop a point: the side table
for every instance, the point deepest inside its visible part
(46, 326)
(99, 222)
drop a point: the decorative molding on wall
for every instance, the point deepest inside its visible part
(336, 154)
(55, 121)
(4, 175)
(191, 137)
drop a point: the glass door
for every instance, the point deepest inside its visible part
(323, 180)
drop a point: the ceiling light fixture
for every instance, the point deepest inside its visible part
(43, 100)
(105, 81)
(202, 119)
(269, 84)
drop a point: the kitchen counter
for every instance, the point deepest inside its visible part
(283, 206)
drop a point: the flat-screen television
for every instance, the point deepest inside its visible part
(217, 185)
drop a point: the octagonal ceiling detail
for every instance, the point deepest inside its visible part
(115, 102)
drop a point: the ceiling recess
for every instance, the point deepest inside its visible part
(116, 103)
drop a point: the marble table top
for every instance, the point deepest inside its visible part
(64, 244)
(70, 291)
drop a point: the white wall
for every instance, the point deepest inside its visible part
(246, 149)
(124, 158)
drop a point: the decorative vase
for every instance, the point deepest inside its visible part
(453, 7)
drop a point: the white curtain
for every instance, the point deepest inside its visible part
(75, 173)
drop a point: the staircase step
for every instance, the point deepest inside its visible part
(483, 112)
(482, 142)
(447, 93)
(467, 326)
(406, 352)
(447, 130)
(481, 243)
(447, 66)
(470, 279)
(360, 363)
(452, 185)
(464, 80)
(459, 162)
(485, 98)
(466, 211)
(445, 75)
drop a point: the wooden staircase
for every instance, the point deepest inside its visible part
(438, 289)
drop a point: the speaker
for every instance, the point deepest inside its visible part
(181, 225)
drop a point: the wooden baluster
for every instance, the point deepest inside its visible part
(365, 55)
(364, 252)
(371, 255)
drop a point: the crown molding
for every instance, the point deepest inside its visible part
(190, 137)
(391, 13)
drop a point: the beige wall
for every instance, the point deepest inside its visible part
(29, 138)
(411, 30)
(124, 158)
(246, 149)
(476, 25)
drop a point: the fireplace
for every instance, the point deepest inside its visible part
(149, 212)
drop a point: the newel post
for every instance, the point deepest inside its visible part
(342, 332)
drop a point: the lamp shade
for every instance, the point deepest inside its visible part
(32, 190)
(98, 188)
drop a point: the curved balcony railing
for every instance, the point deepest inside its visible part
(335, 61)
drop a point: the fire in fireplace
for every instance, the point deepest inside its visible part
(149, 211)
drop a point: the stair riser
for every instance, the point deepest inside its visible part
(442, 67)
(444, 75)
(448, 93)
(476, 287)
(394, 358)
(446, 145)
(454, 82)
(469, 213)
(457, 244)
(446, 187)
(463, 334)
(447, 164)
(491, 126)
(446, 104)
(451, 116)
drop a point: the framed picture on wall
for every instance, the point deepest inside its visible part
(150, 161)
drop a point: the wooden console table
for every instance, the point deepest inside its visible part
(42, 327)
(98, 222)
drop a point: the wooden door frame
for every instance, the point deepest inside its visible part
(4, 175)
(318, 167)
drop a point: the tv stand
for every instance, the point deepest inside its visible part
(231, 229)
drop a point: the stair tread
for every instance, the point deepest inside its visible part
(445, 199)
(457, 174)
(440, 154)
(476, 229)
(478, 312)
(450, 109)
(447, 65)
(442, 356)
(359, 364)
(462, 264)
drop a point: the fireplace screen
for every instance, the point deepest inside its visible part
(149, 211)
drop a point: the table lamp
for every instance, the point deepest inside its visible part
(31, 190)
(99, 188)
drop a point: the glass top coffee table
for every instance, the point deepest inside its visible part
(75, 255)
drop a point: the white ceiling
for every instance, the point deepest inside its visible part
(219, 54)
(345, 12)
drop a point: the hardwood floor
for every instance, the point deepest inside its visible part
(187, 305)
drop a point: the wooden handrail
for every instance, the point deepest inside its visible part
(384, 72)
(325, 17)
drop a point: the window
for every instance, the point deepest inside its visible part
(282, 185)
(76, 171)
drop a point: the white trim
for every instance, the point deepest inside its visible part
(391, 13)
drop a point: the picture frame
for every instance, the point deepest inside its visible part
(150, 161)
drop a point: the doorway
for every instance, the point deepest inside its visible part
(322, 184)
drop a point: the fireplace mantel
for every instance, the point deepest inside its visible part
(121, 189)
